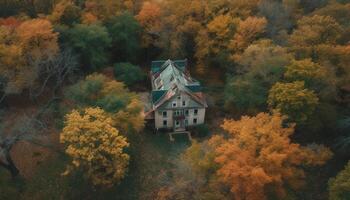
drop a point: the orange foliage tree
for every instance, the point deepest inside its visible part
(248, 31)
(149, 18)
(258, 156)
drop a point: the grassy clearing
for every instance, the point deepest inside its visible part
(152, 159)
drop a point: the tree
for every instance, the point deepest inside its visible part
(95, 146)
(194, 175)
(128, 73)
(312, 31)
(264, 61)
(104, 10)
(244, 94)
(213, 40)
(260, 66)
(24, 48)
(125, 33)
(258, 156)
(316, 77)
(90, 42)
(53, 72)
(248, 31)
(65, 12)
(279, 19)
(293, 100)
(149, 18)
(339, 186)
(99, 91)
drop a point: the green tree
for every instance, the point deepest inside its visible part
(128, 73)
(339, 186)
(99, 91)
(244, 94)
(293, 100)
(125, 32)
(90, 42)
(95, 146)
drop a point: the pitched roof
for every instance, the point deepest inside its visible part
(157, 65)
(170, 79)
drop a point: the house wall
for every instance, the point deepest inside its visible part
(190, 105)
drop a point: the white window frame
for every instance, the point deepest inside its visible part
(166, 114)
(174, 104)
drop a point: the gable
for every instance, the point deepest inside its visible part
(190, 102)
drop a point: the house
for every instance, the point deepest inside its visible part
(176, 98)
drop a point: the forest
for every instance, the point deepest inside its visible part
(73, 79)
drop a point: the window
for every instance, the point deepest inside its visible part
(195, 111)
(183, 103)
(178, 112)
(165, 122)
(179, 97)
(165, 114)
(174, 104)
(194, 120)
(177, 122)
(187, 112)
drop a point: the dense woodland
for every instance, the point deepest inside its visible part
(276, 74)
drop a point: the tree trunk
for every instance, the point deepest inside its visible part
(9, 165)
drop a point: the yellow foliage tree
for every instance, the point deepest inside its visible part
(95, 146)
(123, 106)
(258, 156)
(293, 100)
(22, 48)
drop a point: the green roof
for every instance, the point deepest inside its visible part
(157, 94)
(170, 76)
(156, 66)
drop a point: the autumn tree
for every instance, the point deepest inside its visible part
(213, 41)
(180, 24)
(95, 146)
(293, 100)
(313, 31)
(260, 66)
(248, 31)
(258, 157)
(149, 18)
(106, 9)
(315, 76)
(97, 90)
(24, 48)
(339, 186)
(279, 19)
(65, 12)
(194, 175)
